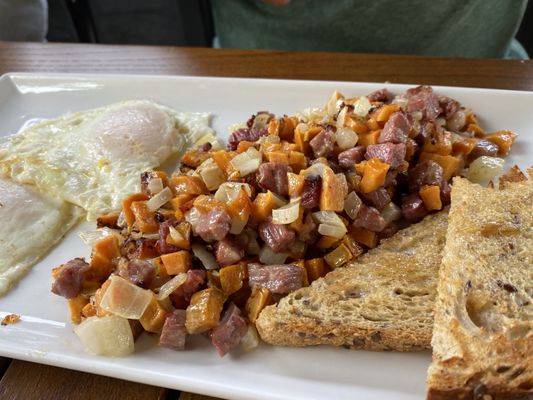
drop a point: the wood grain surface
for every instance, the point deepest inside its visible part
(23, 380)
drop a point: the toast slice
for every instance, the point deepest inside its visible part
(383, 301)
(483, 331)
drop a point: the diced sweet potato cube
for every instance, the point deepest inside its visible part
(364, 236)
(244, 145)
(153, 317)
(273, 127)
(89, 310)
(316, 268)
(206, 204)
(129, 217)
(296, 184)
(297, 161)
(332, 194)
(177, 263)
(374, 174)
(463, 145)
(100, 267)
(439, 143)
(476, 130)
(203, 312)
(372, 125)
(369, 138)
(431, 197)
(177, 202)
(108, 247)
(189, 184)
(145, 220)
(222, 158)
(194, 157)
(301, 264)
(279, 157)
(184, 231)
(262, 206)
(232, 277)
(239, 210)
(109, 220)
(352, 245)
(504, 139)
(384, 112)
(286, 128)
(338, 257)
(325, 242)
(75, 306)
(213, 279)
(357, 126)
(259, 299)
(449, 164)
(100, 312)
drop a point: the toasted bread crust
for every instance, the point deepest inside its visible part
(383, 301)
(483, 332)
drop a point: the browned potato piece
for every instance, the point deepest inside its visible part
(232, 277)
(204, 310)
(259, 299)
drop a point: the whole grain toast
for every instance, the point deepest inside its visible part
(383, 301)
(483, 331)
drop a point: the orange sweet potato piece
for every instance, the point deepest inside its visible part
(296, 184)
(177, 263)
(463, 145)
(194, 157)
(367, 139)
(89, 310)
(504, 139)
(129, 217)
(384, 112)
(278, 156)
(273, 127)
(222, 158)
(239, 209)
(316, 268)
(372, 124)
(332, 194)
(374, 174)
(262, 206)
(244, 145)
(364, 236)
(259, 299)
(206, 204)
(297, 161)
(325, 242)
(449, 164)
(232, 277)
(109, 220)
(153, 317)
(286, 128)
(108, 247)
(357, 126)
(184, 229)
(440, 143)
(177, 202)
(76, 306)
(144, 218)
(203, 312)
(476, 130)
(431, 197)
(189, 184)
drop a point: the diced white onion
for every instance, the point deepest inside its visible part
(155, 185)
(94, 235)
(261, 120)
(402, 101)
(121, 221)
(160, 199)
(484, 169)
(362, 106)
(192, 216)
(125, 299)
(107, 336)
(346, 138)
(457, 121)
(333, 103)
(343, 182)
(336, 231)
(228, 191)
(391, 213)
(175, 234)
(269, 257)
(211, 174)
(171, 285)
(247, 162)
(417, 115)
(341, 118)
(327, 217)
(286, 214)
(440, 121)
(237, 225)
(315, 169)
(207, 259)
(278, 200)
(251, 339)
(352, 204)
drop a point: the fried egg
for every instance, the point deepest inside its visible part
(30, 224)
(94, 158)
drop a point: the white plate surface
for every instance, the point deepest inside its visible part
(45, 336)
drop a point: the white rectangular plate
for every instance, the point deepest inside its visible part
(45, 336)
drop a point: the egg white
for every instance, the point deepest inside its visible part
(30, 224)
(94, 158)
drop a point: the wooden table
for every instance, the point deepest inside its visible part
(25, 380)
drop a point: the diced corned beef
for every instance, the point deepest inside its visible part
(311, 191)
(390, 153)
(138, 272)
(484, 148)
(369, 218)
(273, 176)
(228, 252)
(214, 225)
(425, 173)
(247, 134)
(413, 209)
(174, 333)
(322, 144)
(308, 232)
(281, 278)
(230, 330)
(164, 229)
(382, 95)
(348, 158)
(378, 198)
(423, 99)
(448, 105)
(390, 178)
(136, 328)
(182, 295)
(205, 147)
(70, 277)
(278, 237)
(388, 231)
(396, 129)
(445, 193)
